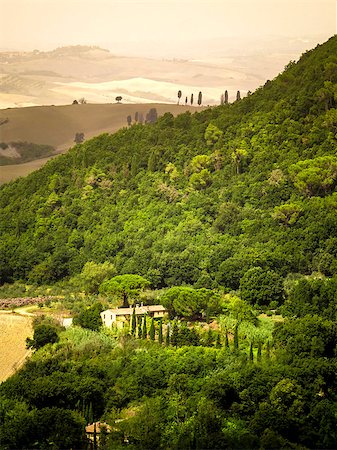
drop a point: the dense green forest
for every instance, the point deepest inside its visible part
(237, 200)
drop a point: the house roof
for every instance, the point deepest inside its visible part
(138, 309)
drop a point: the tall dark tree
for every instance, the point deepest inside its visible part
(259, 351)
(179, 96)
(118, 99)
(152, 116)
(175, 333)
(226, 341)
(152, 331)
(236, 338)
(200, 98)
(144, 334)
(251, 354)
(192, 99)
(186, 100)
(129, 120)
(168, 337)
(160, 332)
(226, 97)
(141, 118)
(136, 116)
(133, 322)
(140, 331)
(79, 138)
(238, 96)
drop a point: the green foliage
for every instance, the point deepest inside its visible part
(315, 176)
(212, 134)
(152, 332)
(261, 287)
(189, 302)
(127, 286)
(93, 274)
(90, 317)
(44, 334)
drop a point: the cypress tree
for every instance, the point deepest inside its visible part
(144, 327)
(251, 354)
(95, 437)
(200, 98)
(226, 97)
(152, 330)
(226, 342)
(179, 96)
(238, 96)
(209, 340)
(186, 100)
(160, 332)
(140, 333)
(167, 340)
(90, 413)
(236, 338)
(191, 99)
(133, 322)
(259, 352)
(218, 341)
(175, 332)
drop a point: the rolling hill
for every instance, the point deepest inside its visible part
(196, 199)
(56, 126)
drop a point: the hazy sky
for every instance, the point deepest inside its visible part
(46, 24)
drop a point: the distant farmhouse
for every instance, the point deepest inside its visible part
(119, 316)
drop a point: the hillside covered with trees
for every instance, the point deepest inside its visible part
(238, 199)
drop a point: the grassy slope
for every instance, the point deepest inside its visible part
(57, 125)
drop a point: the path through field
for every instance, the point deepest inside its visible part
(14, 329)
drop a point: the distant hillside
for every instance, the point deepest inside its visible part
(59, 76)
(197, 199)
(56, 126)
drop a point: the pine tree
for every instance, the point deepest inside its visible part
(152, 330)
(259, 352)
(160, 332)
(167, 339)
(144, 328)
(133, 322)
(251, 354)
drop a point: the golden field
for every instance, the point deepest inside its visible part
(14, 329)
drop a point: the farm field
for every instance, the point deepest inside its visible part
(57, 126)
(14, 329)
